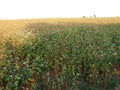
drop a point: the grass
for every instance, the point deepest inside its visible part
(60, 54)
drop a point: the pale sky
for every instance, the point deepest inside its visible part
(17, 9)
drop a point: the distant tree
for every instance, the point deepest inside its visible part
(83, 16)
(94, 16)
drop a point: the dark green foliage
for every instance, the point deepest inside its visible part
(60, 57)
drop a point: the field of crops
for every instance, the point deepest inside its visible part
(60, 54)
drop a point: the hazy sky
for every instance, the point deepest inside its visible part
(12, 9)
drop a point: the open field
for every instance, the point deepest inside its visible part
(60, 54)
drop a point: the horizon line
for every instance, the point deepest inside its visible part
(59, 17)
